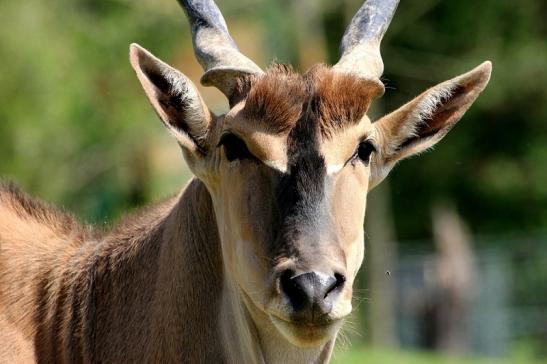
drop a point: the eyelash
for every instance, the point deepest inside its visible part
(234, 148)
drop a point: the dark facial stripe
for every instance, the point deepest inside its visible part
(300, 191)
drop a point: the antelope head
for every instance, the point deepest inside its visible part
(289, 166)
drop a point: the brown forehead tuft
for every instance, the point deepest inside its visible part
(340, 99)
(275, 99)
(278, 98)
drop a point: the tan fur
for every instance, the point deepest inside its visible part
(135, 294)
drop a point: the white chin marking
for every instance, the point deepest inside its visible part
(306, 336)
(278, 165)
(333, 168)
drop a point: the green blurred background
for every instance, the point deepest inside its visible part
(468, 220)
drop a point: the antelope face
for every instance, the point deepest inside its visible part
(289, 166)
(292, 173)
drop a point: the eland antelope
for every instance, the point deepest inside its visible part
(254, 260)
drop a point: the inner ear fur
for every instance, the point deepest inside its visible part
(421, 123)
(175, 99)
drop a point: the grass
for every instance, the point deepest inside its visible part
(370, 355)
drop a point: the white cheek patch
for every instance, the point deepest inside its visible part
(277, 165)
(334, 168)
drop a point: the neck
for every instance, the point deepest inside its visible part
(215, 304)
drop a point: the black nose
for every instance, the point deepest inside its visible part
(311, 294)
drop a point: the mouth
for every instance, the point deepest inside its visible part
(307, 334)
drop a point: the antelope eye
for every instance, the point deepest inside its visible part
(234, 147)
(364, 150)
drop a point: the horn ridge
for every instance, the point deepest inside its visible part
(360, 46)
(214, 48)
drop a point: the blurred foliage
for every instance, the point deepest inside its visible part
(494, 163)
(74, 125)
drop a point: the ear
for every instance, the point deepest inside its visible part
(421, 123)
(174, 98)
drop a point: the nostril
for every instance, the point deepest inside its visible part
(285, 280)
(338, 283)
(340, 279)
(292, 288)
